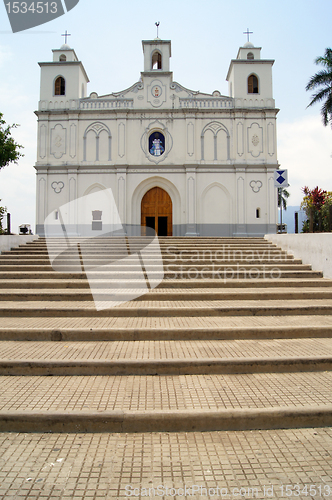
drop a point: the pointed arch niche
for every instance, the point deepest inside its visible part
(97, 143)
(156, 61)
(215, 142)
(59, 86)
(253, 84)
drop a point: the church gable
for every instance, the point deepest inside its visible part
(160, 92)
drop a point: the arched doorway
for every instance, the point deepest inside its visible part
(156, 211)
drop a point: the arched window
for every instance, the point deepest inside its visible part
(258, 213)
(156, 60)
(252, 84)
(60, 86)
(250, 55)
(62, 58)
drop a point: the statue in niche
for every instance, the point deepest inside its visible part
(156, 144)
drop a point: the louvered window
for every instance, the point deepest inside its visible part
(60, 86)
(252, 84)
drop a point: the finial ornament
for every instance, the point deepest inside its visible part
(66, 35)
(157, 24)
(248, 33)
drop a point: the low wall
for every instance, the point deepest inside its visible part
(312, 248)
(7, 242)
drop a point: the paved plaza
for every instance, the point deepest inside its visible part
(242, 464)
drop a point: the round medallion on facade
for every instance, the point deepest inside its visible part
(156, 91)
(156, 143)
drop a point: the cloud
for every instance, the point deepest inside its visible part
(305, 149)
(5, 55)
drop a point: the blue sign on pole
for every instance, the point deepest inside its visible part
(281, 178)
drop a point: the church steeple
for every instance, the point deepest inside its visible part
(62, 79)
(249, 76)
(157, 54)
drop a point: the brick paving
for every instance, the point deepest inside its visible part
(109, 466)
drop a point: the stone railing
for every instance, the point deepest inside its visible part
(106, 104)
(73, 104)
(207, 103)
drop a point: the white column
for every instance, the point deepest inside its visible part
(240, 227)
(41, 200)
(191, 229)
(121, 181)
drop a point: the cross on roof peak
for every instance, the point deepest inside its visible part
(66, 35)
(248, 33)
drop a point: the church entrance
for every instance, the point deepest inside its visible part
(156, 211)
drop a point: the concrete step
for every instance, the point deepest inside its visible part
(147, 239)
(200, 366)
(121, 266)
(167, 249)
(178, 261)
(191, 274)
(166, 308)
(166, 350)
(237, 328)
(165, 403)
(173, 284)
(139, 240)
(184, 294)
(164, 357)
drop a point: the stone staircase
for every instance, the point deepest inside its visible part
(237, 336)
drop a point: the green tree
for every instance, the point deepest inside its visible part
(322, 81)
(9, 149)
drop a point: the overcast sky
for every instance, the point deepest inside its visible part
(106, 36)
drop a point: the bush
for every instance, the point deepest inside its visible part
(316, 202)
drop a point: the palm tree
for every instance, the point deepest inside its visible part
(283, 195)
(322, 81)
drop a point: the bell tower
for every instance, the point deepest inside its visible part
(249, 76)
(157, 54)
(64, 78)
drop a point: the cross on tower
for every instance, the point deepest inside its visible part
(157, 24)
(248, 33)
(66, 35)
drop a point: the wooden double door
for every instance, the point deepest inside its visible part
(156, 211)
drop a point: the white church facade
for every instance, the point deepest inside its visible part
(183, 162)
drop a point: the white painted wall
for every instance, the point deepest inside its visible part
(314, 249)
(218, 162)
(7, 242)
